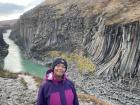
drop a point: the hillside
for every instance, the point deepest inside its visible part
(115, 11)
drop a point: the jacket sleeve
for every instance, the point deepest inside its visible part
(41, 95)
(75, 102)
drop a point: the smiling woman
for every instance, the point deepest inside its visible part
(56, 88)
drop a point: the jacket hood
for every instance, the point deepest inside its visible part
(50, 76)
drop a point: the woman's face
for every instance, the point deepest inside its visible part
(59, 70)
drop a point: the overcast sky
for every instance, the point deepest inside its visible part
(12, 9)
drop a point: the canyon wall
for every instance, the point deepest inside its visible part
(106, 31)
(3, 48)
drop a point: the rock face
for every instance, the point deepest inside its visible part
(107, 31)
(3, 49)
(116, 50)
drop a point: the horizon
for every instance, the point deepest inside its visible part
(10, 10)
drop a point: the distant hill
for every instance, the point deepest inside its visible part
(7, 23)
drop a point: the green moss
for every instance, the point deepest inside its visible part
(82, 62)
(23, 82)
(38, 80)
(7, 74)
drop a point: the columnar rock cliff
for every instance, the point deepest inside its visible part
(3, 48)
(106, 31)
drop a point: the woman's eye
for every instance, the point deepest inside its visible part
(63, 66)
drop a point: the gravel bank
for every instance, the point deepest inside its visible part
(13, 92)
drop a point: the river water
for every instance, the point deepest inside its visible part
(15, 62)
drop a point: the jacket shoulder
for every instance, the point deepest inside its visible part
(45, 83)
(70, 82)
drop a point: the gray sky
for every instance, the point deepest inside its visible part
(12, 9)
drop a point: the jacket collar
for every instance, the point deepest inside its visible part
(50, 76)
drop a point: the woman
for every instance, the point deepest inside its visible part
(56, 89)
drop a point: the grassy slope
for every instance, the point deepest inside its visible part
(115, 11)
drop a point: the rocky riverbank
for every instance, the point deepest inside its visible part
(22, 90)
(13, 92)
(124, 92)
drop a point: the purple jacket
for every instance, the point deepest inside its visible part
(54, 92)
